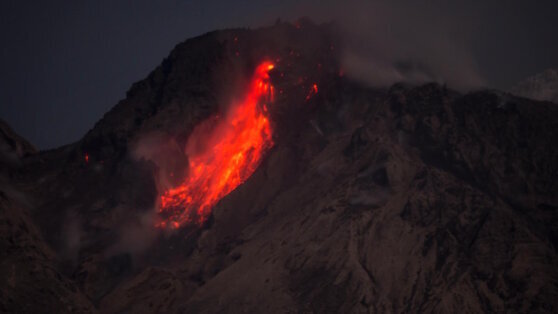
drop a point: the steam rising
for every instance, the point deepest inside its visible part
(394, 42)
(388, 42)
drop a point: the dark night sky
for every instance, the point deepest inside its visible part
(65, 63)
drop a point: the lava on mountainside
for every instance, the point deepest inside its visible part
(231, 152)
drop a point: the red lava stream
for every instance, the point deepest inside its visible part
(236, 146)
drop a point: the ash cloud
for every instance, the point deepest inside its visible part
(168, 156)
(401, 41)
(136, 235)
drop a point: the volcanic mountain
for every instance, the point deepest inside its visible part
(356, 200)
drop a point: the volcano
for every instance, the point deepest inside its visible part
(249, 173)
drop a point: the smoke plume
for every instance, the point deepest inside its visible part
(402, 41)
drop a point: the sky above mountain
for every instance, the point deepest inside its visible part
(64, 64)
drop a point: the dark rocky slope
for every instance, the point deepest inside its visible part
(31, 279)
(412, 199)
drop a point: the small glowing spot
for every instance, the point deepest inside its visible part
(313, 91)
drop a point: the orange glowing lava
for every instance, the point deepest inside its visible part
(232, 151)
(313, 91)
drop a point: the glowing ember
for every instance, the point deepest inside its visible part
(313, 91)
(234, 149)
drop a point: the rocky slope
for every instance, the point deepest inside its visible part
(31, 280)
(542, 86)
(408, 199)
(12, 146)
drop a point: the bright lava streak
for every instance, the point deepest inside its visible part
(235, 148)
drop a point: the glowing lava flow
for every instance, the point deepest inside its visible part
(234, 150)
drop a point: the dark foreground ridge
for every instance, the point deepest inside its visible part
(410, 199)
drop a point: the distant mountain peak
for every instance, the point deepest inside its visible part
(542, 86)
